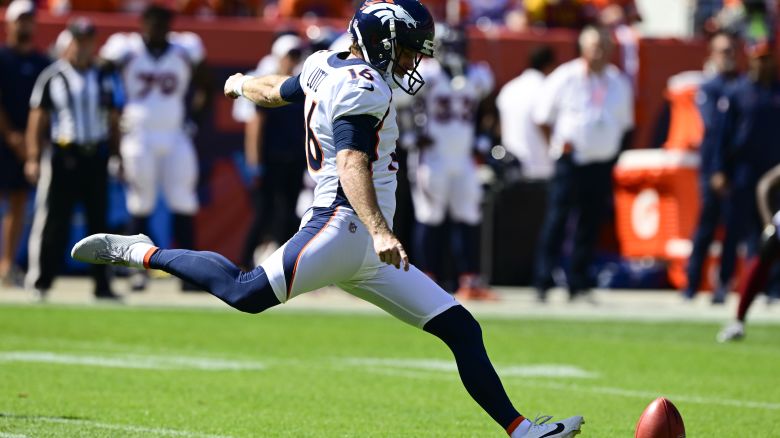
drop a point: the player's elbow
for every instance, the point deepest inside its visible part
(349, 161)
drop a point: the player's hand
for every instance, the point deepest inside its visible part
(32, 170)
(390, 250)
(719, 183)
(230, 85)
(116, 168)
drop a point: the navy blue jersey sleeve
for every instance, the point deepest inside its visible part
(292, 91)
(358, 132)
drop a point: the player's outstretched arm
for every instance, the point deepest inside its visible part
(355, 176)
(265, 91)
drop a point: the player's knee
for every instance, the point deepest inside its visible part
(252, 300)
(471, 332)
(254, 304)
(455, 326)
(248, 307)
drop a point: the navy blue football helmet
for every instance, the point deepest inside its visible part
(383, 27)
(451, 48)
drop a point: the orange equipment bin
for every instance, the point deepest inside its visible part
(656, 200)
(685, 125)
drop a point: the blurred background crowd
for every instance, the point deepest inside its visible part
(572, 143)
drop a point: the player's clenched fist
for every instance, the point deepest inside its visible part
(232, 85)
(390, 250)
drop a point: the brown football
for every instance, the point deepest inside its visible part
(660, 420)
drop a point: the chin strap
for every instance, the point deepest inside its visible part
(390, 70)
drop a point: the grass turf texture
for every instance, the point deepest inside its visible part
(308, 386)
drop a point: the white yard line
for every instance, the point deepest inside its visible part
(535, 370)
(749, 404)
(12, 435)
(132, 361)
(406, 372)
(125, 427)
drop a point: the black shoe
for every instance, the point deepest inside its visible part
(39, 294)
(689, 295)
(107, 295)
(582, 295)
(138, 281)
(719, 296)
(541, 295)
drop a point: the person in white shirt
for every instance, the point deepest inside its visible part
(586, 113)
(516, 102)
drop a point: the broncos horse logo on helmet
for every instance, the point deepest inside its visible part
(386, 11)
(382, 27)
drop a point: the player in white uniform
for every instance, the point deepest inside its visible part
(157, 68)
(346, 238)
(443, 172)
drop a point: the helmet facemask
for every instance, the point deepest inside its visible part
(410, 81)
(402, 36)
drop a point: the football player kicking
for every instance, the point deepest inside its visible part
(346, 238)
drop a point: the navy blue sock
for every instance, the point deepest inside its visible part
(462, 333)
(246, 291)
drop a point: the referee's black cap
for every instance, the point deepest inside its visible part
(81, 27)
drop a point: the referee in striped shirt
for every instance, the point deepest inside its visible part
(72, 130)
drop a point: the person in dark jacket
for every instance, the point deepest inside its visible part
(20, 65)
(749, 149)
(711, 102)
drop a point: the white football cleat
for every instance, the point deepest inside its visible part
(568, 427)
(112, 249)
(732, 332)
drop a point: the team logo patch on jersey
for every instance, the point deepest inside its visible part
(352, 227)
(387, 10)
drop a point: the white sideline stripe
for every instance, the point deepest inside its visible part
(653, 394)
(644, 395)
(12, 435)
(129, 428)
(132, 361)
(536, 370)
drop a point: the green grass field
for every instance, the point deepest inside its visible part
(114, 371)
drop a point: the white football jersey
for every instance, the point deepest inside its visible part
(451, 106)
(155, 86)
(336, 87)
